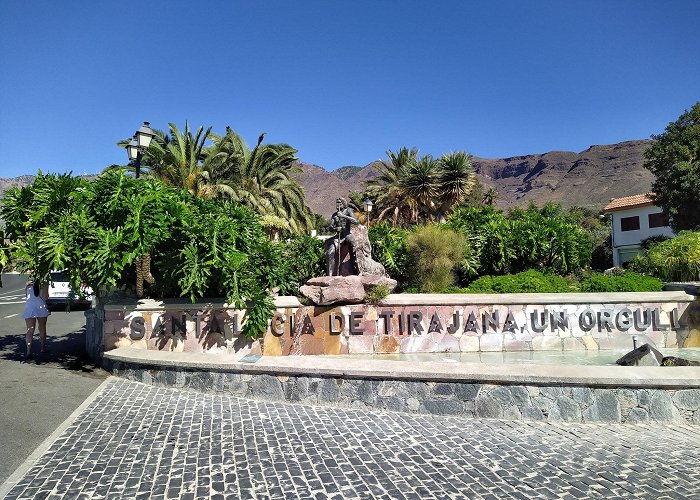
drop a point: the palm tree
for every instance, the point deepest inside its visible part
(457, 180)
(386, 190)
(410, 189)
(421, 185)
(177, 160)
(260, 178)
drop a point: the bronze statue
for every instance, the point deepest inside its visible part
(343, 242)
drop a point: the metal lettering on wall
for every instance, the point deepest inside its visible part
(181, 321)
(391, 322)
(415, 322)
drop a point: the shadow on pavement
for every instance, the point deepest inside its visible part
(68, 307)
(67, 351)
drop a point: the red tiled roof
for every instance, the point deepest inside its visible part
(637, 200)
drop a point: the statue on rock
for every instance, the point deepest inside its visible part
(340, 249)
(349, 252)
(364, 263)
(351, 271)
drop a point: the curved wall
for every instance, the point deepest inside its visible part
(406, 323)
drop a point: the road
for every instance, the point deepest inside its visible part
(37, 396)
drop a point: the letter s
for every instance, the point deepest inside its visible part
(138, 328)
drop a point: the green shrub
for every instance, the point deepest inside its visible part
(376, 294)
(434, 252)
(390, 250)
(532, 238)
(677, 259)
(651, 241)
(602, 257)
(625, 282)
(531, 281)
(302, 259)
(98, 231)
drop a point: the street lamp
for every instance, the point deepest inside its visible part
(138, 144)
(368, 207)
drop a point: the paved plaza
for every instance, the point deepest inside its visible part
(133, 440)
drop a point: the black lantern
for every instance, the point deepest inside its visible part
(144, 135)
(138, 144)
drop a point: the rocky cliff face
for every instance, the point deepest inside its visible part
(589, 178)
(20, 181)
(322, 187)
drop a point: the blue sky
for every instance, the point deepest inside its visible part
(341, 81)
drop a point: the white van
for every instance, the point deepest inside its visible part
(61, 292)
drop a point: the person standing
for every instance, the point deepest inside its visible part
(36, 311)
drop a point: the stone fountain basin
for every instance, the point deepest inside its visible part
(545, 392)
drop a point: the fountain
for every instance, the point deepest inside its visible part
(341, 350)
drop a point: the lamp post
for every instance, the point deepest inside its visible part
(138, 144)
(613, 251)
(368, 207)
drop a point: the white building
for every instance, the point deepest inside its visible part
(634, 219)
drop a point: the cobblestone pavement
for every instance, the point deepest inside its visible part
(139, 441)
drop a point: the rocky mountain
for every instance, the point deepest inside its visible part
(589, 178)
(20, 181)
(322, 187)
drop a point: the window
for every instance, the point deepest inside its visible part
(627, 254)
(629, 223)
(658, 220)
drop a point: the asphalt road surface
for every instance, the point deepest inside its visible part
(38, 395)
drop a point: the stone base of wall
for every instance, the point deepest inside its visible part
(471, 400)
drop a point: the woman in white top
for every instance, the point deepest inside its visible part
(36, 311)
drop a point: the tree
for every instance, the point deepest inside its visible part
(32, 213)
(321, 224)
(412, 189)
(97, 230)
(177, 160)
(457, 180)
(421, 185)
(674, 159)
(387, 191)
(260, 178)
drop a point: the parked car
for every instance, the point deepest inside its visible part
(62, 293)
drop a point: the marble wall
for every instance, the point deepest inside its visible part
(298, 330)
(472, 328)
